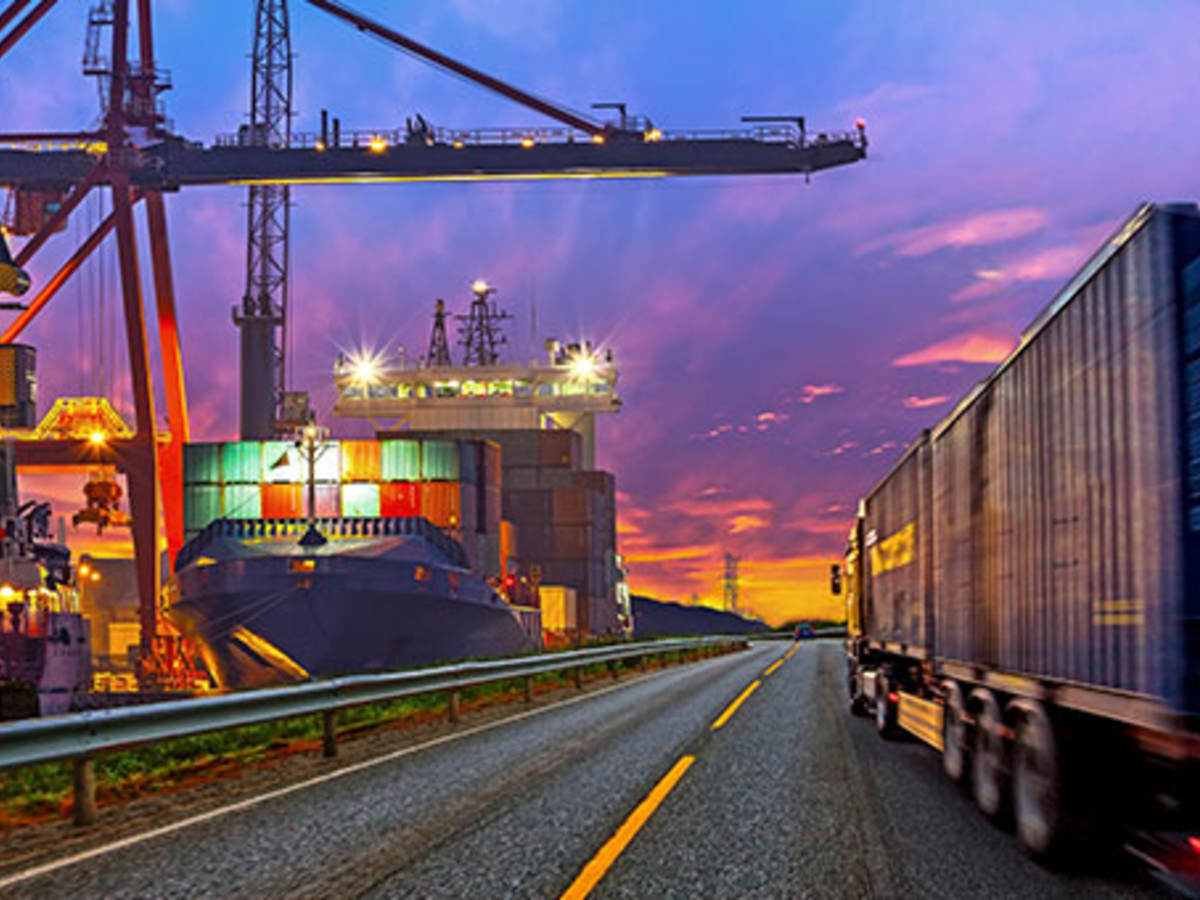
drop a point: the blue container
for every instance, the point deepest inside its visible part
(242, 462)
(202, 464)
(401, 460)
(439, 461)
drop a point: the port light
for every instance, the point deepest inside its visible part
(95, 576)
(653, 136)
(84, 570)
(597, 139)
(860, 124)
(1194, 843)
(7, 592)
(303, 565)
(479, 286)
(377, 145)
(582, 366)
(527, 142)
(458, 145)
(319, 146)
(365, 368)
(97, 438)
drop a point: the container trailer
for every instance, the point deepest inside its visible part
(1023, 587)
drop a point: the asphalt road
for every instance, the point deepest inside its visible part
(790, 797)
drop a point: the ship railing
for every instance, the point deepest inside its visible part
(81, 737)
(331, 526)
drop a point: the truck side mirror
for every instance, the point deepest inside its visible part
(835, 578)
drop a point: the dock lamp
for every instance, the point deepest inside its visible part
(582, 365)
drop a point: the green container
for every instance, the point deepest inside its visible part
(201, 505)
(242, 501)
(439, 461)
(401, 460)
(281, 463)
(242, 462)
(202, 464)
(361, 500)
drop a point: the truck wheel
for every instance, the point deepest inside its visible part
(858, 705)
(885, 710)
(954, 734)
(988, 770)
(1037, 805)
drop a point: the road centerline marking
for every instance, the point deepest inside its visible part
(771, 668)
(599, 864)
(733, 707)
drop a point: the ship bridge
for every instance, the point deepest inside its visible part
(568, 390)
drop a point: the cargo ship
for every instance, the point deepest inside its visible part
(383, 572)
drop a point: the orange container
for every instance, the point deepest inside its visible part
(441, 503)
(399, 498)
(282, 501)
(360, 461)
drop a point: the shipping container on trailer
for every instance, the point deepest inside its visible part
(1024, 585)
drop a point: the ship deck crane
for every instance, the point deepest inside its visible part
(70, 164)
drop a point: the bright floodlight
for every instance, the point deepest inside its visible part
(365, 369)
(479, 286)
(583, 365)
(97, 438)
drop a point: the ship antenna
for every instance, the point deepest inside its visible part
(439, 349)
(480, 331)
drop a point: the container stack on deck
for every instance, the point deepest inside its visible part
(563, 521)
(455, 484)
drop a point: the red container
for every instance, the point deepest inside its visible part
(329, 500)
(282, 501)
(441, 503)
(399, 498)
(360, 461)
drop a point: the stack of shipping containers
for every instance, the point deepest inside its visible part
(559, 520)
(453, 484)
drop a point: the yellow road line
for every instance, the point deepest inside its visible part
(788, 655)
(733, 707)
(600, 863)
(771, 668)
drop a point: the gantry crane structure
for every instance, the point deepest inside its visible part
(135, 155)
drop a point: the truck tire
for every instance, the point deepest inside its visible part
(885, 710)
(1036, 786)
(989, 770)
(955, 751)
(858, 703)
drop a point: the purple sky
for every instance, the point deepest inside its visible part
(779, 342)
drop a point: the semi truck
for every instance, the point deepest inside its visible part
(1023, 587)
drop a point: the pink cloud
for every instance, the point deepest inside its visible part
(811, 392)
(1051, 263)
(968, 347)
(969, 231)
(915, 402)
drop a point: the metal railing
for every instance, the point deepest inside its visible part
(83, 736)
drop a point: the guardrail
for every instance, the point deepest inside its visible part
(81, 737)
(791, 636)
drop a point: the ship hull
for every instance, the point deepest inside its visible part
(257, 627)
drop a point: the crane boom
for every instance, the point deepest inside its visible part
(362, 23)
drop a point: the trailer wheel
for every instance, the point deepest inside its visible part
(1036, 793)
(988, 769)
(954, 733)
(885, 710)
(858, 703)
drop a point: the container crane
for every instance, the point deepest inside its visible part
(135, 155)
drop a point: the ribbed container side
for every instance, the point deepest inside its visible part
(328, 500)
(360, 500)
(572, 505)
(898, 530)
(439, 461)
(520, 479)
(328, 466)
(283, 501)
(441, 503)
(242, 501)
(550, 477)
(1057, 492)
(201, 463)
(493, 507)
(572, 541)
(535, 541)
(519, 449)
(492, 463)
(201, 505)
(559, 448)
(469, 508)
(529, 507)
(468, 461)
(400, 460)
(361, 461)
(281, 462)
(242, 462)
(399, 498)
(560, 608)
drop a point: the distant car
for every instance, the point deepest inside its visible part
(804, 631)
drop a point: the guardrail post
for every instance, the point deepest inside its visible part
(329, 718)
(454, 707)
(85, 791)
(615, 667)
(579, 677)
(644, 663)
(528, 688)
